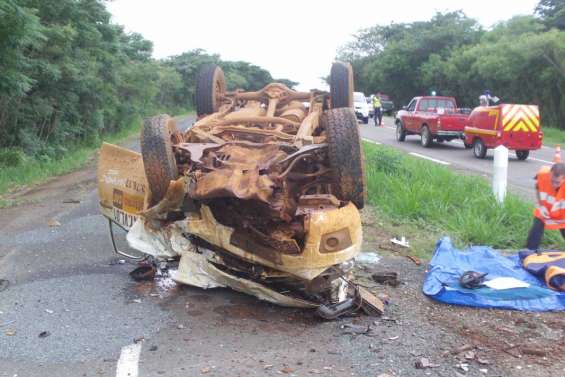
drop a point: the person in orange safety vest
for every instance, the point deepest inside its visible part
(550, 210)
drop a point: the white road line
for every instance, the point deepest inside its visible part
(128, 364)
(429, 158)
(371, 141)
(540, 160)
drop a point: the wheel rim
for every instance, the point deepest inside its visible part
(478, 149)
(425, 136)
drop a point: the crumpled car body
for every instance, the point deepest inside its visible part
(262, 194)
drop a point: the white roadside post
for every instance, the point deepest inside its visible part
(500, 173)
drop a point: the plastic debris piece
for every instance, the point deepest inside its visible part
(400, 242)
(368, 258)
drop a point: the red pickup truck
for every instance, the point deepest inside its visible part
(433, 118)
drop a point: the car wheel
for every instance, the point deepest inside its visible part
(158, 158)
(341, 85)
(366, 120)
(345, 155)
(522, 155)
(479, 148)
(426, 136)
(210, 86)
(400, 132)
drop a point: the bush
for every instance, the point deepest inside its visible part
(11, 157)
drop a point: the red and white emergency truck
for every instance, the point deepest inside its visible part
(517, 127)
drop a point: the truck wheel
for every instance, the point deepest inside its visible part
(341, 85)
(426, 136)
(479, 148)
(345, 155)
(158, 158)
(400, 132)
(210, 86)
(522, 155)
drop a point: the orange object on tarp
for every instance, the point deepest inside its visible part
(548, 266)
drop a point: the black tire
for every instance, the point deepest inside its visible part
(400, 132)
(479, 148)
(210, 85)
(341, 85)
(366, 120)
(426, 137)
(522, 155)
(158, 158)
(345, 155)
(467, 146)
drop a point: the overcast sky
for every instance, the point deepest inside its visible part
(295, 39)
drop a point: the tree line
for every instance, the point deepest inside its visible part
(521, 60)
(68, 76)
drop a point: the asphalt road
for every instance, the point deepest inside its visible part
(454, 155)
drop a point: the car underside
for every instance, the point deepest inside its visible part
(262, 194)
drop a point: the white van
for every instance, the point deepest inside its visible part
(362, 108)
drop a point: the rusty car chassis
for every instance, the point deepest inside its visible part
(262, 194)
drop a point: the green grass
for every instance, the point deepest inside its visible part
(33, 171)
(553, 136)
(429, 199)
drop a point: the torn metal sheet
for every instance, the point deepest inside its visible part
(196, 270)
(163, 243)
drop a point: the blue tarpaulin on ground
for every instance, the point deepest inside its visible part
(442, 280)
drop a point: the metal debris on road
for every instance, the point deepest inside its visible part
(387, 277)
(352, 329)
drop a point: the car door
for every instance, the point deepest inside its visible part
(409, 118)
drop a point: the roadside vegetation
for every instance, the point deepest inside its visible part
(22, 170)
(553, 136)
(521, 60)
(70, 78)
(425, 198)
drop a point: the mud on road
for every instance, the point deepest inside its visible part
(64, 280)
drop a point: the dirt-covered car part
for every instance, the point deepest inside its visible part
(261, 194)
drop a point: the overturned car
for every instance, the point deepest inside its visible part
(262, 194)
